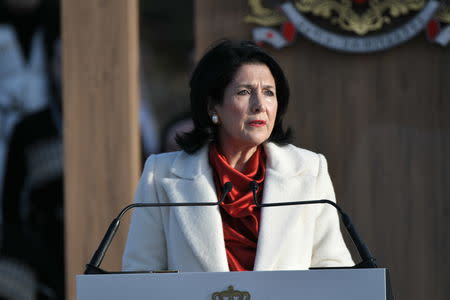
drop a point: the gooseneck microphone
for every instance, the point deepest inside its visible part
(368, 261)
(93, 267)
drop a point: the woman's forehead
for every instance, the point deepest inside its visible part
(250, 74)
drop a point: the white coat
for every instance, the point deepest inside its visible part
(190, 239)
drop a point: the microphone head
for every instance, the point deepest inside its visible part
(227, 187)
(253, 185)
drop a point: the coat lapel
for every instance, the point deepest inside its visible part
(201, 226)
(281, 227)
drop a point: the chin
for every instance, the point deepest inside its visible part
(254, 142)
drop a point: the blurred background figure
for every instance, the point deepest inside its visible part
(28, 31)
(31, 152)
(17, 281)
(167, 59)
(177, 126)
(147, 123)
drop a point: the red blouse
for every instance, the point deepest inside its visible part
(240, 217)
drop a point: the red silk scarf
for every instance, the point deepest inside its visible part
(240, 217)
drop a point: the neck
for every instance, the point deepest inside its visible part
(238, 158)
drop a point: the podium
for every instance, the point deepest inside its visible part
(326, 284)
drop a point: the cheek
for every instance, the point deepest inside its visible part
(237, 112)
(273, 110)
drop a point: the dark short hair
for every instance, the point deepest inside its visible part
(209, 80)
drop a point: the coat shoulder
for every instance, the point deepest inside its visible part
(162, 162)
(293, 159)
(179, 164)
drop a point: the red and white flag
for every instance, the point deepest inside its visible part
(274, 37)
(437, 34)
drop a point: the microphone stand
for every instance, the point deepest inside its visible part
(368, 261)
(93, 267)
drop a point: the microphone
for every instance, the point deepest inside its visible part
(368, 261)
(93, 267)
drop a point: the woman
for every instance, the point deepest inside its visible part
(239, 95)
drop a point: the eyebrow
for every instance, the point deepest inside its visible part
(250, 86)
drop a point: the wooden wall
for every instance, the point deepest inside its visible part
(383, 122)
(101, 140)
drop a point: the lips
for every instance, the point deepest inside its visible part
(257, 123)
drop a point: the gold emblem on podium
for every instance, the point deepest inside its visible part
(231, 294)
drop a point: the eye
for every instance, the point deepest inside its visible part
(269, 93)
(243, 92)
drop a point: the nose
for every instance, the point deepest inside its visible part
(257, 103)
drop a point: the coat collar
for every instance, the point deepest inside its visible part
(190, 166)
(284, 160)
(280, 159)
(202, 226)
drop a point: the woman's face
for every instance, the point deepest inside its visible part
(249, 108)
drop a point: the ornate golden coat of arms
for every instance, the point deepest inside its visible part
(350, 18)
(344, 13)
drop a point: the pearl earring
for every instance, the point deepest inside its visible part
(215, 118)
